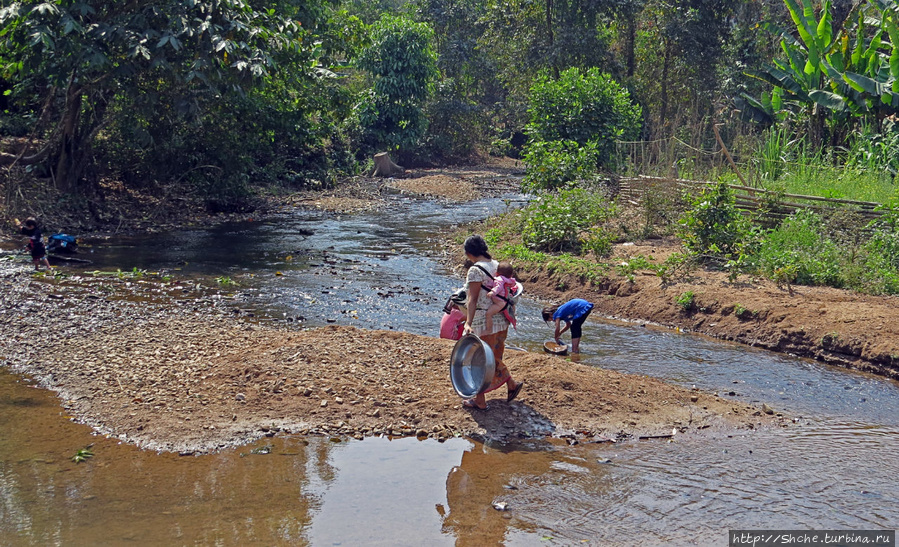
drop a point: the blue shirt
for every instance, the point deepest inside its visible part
(571, 310)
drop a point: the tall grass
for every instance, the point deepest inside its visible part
(860, 172)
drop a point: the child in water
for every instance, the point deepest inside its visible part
(503, 286)
(35, 243)
(573, 313)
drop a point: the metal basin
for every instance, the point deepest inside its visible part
(472, 365)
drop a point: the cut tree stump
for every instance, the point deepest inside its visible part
(384, 166)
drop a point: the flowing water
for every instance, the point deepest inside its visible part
(836, 467)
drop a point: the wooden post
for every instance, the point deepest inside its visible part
(727, 154)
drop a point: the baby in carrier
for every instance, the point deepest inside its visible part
(501, 294)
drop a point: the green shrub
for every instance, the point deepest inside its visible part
(556, 164)
(598, 240)
(584, 107)
(799, 251)
(713, 226)
(880, 274)
(555, 222)
(686, 301)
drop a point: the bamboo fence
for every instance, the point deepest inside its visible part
(749, 199)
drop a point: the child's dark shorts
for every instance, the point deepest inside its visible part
(38, 251)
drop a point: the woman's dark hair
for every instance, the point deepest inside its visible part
(548, 312)
(476, 246)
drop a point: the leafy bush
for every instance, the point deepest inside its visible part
(713, 226)
(799, 251)
(582, 107)
(598, 240)
(555, 164)
(880, 274)
(555, 222)
(575, 121)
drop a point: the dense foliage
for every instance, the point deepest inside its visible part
(403, 67)
(81, 68)
(220, 99)
(575, 121)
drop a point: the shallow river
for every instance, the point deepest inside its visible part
(836, 467)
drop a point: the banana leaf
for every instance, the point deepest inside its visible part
(801, 19)
(865, 84)
(894, 46)
(752, 110)
(781, 78)
(828, 100)
(825, 28)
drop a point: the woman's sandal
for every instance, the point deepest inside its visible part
(514, 392)
(469, 403)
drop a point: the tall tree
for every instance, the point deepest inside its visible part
(78, 56)
(403, 67)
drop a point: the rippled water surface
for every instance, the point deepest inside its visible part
(837, 467)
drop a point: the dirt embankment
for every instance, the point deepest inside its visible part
(835, 326)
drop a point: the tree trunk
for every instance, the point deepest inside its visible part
(666, 62)
(68, 145)
(630, 42)
(384, 166)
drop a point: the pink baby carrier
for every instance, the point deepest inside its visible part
(504, 287)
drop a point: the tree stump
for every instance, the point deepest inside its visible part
(384, 166)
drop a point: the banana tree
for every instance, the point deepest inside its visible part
(841, 74)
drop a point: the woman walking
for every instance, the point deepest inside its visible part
(479, 275)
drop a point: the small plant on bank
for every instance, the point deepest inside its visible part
(630, 267)
(225, 281)
(83, 455)
(676, 266)
(598, 240)
(686, 301)
(742, 312)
